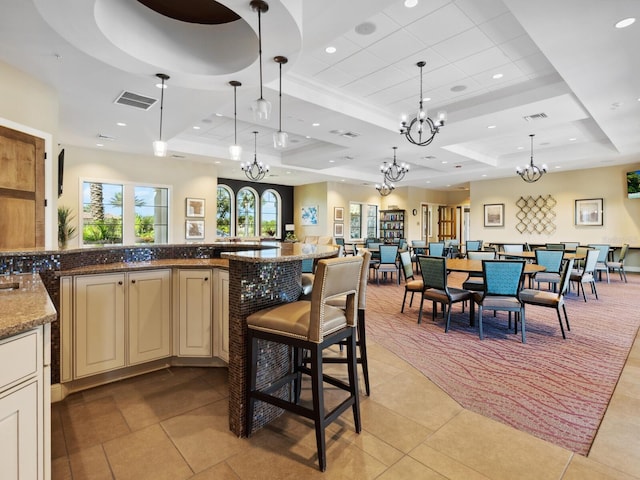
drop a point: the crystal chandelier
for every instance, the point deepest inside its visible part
(394, 172)
(235, 150)
(280, 138)
(531, 173)
(421, 129)
(261, 107)
(385, 188)
(159, 146)
(257, 170)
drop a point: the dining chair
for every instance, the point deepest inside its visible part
(388, 263)
(312, 326)
(402, 245)
(551, 260)
(587, 274)
(603, 258)
(452, 248)
(580, 252)
(502, 280)
(618, 266)
(554, 246)
(544, 298)
(340, 241)
(411, 284)
(436, 249)
(434, 278)
(418, 247)
(475, 281)
(512, 248)
(472, 245)
(571, 246)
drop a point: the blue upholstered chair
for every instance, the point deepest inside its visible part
(475, 281)
(542, 298)
(436, 249)
(603, 258)
(618, 266)
(472, 245)
(551, 260)
(587, 274)
(502, 279)
(388, 262)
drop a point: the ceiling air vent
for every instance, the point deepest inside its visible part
(535, 116)
(135, 100)
(350, 134)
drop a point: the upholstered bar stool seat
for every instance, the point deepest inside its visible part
(309, 326)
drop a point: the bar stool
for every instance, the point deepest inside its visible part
(313, 326)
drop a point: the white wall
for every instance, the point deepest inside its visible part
(184, 178)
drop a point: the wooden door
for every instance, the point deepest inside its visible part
(446, 223)
(21, 190)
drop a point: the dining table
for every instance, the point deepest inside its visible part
(475, 266)
(532, 255)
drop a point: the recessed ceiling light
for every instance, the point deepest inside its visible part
(572, 139)
(99, 144)
(484, 174)
(520, 148)
(491, 126)
(332, 161)
(315, 124)
(557, 166)
(307, 136)
(196, 127)
(330, 49)
(444, 161)
(497, 76)
(428, 181)
(218, 114)
(288, 172)
(217, 162)
(410, 3)
(342, 180)
(625, 22)
(365, 28)
(426, 99)
(121, 124)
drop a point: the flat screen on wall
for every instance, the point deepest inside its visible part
(60, 171)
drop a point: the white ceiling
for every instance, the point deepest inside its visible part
(563, 58)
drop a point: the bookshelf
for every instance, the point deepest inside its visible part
(391, 225)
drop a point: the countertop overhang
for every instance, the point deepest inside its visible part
(24, 304)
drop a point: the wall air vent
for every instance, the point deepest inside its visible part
(135, 100)
(535, 116)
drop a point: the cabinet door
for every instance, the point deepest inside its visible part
(221, 303)
(99, 325)
(149, 315)
(19, 458)
(195, 319)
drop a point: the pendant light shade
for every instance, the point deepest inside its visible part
(261, 107)
(280, 138)
(235, 150)
(160, 146)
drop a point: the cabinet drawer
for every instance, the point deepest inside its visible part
(18, 357)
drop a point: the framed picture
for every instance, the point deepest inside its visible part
(338, 229)
(194, 230)
(310, 215)
(195, 207)
(338, 214)
(494, 214)
(589, 212)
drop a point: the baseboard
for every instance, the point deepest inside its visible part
(58, 392)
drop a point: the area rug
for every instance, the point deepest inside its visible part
(555, 389)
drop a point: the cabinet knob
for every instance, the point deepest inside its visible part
(133, 281)
(206, 279)
(120, 282)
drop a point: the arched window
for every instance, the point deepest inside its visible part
(224, 225)
(270, 214)
(246, 214)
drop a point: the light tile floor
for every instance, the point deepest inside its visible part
(172, 424)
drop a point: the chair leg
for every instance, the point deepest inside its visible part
(420, 312)
(318, 405)
(404, 299)
(595, 290)
(362, 346)
(480, 322)
(522, 326)
(353, 380)
(560, 321)
(566, 318)
(448, 322)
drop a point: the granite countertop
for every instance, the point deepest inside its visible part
(285, 252)
(148, 265)
(25, 307)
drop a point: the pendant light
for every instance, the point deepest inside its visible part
(261, 107)
(280, 138)
(235, 150)
(159, 146)
(531, 173)
(257, 170)
(385, 188)
(394, 172)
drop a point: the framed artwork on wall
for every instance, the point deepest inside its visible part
(338, 229)
(194, 230)
(195, 207)
(338, 214)
(589, 212)
(310, 215)
(494, 214)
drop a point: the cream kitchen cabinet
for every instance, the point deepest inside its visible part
(120, 319)
(25, 405)
(195, 320)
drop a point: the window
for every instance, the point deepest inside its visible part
(246, 212)
(270, 214)
(358, 228)
(124, 213)
(101, 213)
(151, 214)
(224, 212)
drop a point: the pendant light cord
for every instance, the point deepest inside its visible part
(235, 117)
(260, 48)
(280, 99)
(161, 106)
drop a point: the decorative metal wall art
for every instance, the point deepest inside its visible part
(536, 215)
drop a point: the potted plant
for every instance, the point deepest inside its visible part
(66, 231)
